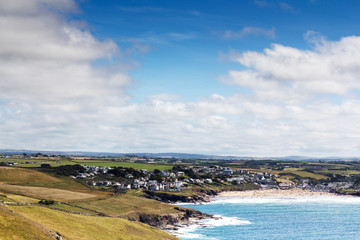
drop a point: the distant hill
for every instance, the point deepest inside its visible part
(177, 155)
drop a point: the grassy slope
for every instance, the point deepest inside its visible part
(79, 227)
(14, 226)
(41, 185)
(17, 198)
(46, 193)
(125, 205)
(303, 174)
(22, 176)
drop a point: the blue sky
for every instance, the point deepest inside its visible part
(248, 78)
(185, 38)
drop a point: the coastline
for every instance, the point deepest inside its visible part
(187, 227)
(295, 192)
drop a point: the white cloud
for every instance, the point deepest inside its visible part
(49, 86)
(52, 96)
(330, 68)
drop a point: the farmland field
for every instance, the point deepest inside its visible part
(147, 166)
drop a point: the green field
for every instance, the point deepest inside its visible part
(306, 174)
(37, 162)
(147, 166)
(79, 227)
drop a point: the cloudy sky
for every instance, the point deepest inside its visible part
(246, 78)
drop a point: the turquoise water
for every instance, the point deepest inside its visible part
(278, 218)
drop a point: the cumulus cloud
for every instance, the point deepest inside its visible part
(56, 94)
(301, 102)
(49, 85)
(330, 68)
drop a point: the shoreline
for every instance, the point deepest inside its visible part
(176, 229)
(295, 192)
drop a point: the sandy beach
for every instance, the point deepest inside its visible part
(273, 193)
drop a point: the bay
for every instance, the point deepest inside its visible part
(316, 217)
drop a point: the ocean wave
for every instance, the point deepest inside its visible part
(223, 221)
(287, 200)
(189, 232)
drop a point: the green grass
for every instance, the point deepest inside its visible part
(73, 208)
(100, 163)
(306, 174)
(79, 227)
(37, 162)
(341, 172)
(149, 167)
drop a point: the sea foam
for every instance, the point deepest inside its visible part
(187, 232)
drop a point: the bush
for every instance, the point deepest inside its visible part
(46, 202)
(68, 170)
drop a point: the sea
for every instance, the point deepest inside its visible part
(299, 217)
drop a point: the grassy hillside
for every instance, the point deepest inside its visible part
(14, 226)
(125, 205)
(46, 193)
(79, 227)
(16, 198)
(24, 176)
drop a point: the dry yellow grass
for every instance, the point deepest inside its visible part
(79, 227)
(127, 206)
(19, 198)
(21, 175)
(14, 226)
(46, 193)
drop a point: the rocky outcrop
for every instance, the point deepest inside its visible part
(171, 220)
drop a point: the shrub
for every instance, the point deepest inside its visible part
(46, 202)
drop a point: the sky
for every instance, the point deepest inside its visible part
(247, 78)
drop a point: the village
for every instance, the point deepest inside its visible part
(182, 176)
(181, 179)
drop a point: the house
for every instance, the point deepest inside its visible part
(154, 187)
(129, 176)
(284, 185)
(208, 180)
(91, 183)
(228, 171)
(180, 174)
(124, 186)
